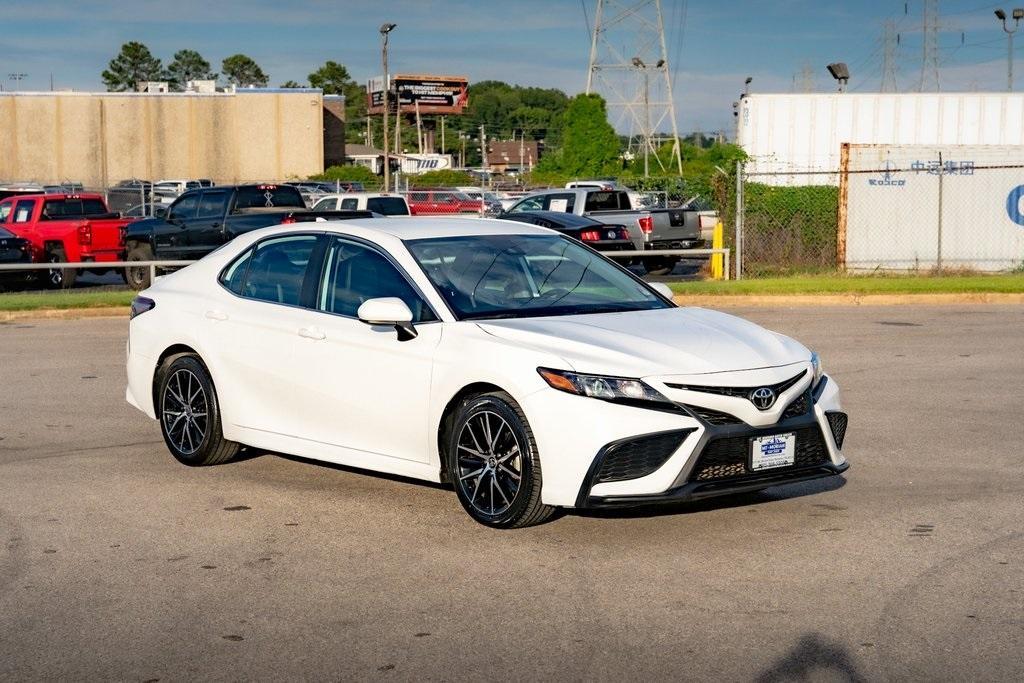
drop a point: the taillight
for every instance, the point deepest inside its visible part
(646, 224)
(625, 234)
(85, 233)
(140, 305)
(590, 236)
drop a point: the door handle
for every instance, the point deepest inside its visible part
(216, 315)
(312, 333)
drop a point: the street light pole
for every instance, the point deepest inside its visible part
(1018, 14)
(386, 29)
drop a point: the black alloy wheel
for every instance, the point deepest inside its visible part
(494, 465)
(189, 413)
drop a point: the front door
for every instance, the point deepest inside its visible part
(206, 230)
(364, 389)
(171, 237)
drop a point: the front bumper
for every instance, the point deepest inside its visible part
(599, 454)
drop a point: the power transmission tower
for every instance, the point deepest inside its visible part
(804, 80)
(930, 46)
(629, 67)
(890, 46)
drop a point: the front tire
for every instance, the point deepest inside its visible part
(494, 464)
(189, 413)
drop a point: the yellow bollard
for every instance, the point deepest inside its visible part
(717, 242)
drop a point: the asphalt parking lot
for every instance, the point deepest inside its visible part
(118, 563)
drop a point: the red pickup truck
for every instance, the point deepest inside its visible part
(66, 228)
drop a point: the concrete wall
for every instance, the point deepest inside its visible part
(99, 139)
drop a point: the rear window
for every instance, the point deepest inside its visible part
(269, 196)
(59, 208)
(607, 201)
(388, 206)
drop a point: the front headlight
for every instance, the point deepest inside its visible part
(818, 372)
(615, 389)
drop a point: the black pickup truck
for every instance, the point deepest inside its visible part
(202, 219)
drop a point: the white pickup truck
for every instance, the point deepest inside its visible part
(651, 229)
(378, 202)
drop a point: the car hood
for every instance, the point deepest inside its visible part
(674, 341)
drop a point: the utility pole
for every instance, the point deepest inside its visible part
(385, 30)
(890, 45)
(929, 47)
(1018, 14)
(442, 135)
(635, 101)
(483, 147)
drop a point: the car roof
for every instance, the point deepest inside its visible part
(561, 218)
(368, 195)
(411, 227)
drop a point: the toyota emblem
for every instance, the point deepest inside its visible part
(763, 398)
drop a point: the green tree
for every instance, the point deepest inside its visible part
(242, 71)
(334, 79)
(188, 65)
(291, 84)
(133, 64)
(590, 145)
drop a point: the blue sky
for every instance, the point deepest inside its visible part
(531, 42)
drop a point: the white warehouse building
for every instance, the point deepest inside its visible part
(800, 132)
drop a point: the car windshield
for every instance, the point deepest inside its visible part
(523, 276)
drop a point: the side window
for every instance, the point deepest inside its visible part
(23, 210)
(354, 274)
(213, 204)
(5, 211)
(560, 202)
(184, 208)
(277, 268)
(233, 276)
(528, 204)
(349, 203)
(324, 204)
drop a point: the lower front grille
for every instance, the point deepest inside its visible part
(714, 417)
(837, 421)
(639, 457)
(728, 457)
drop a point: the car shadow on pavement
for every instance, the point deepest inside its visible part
(774, 493)
(813, 657)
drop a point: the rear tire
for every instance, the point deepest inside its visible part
(660, 265)
(494, 464)
(189, 413)
(139, 277)
(59, 278)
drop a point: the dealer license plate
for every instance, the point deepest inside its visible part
(769, 452)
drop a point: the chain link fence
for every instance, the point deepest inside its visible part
(887, 208)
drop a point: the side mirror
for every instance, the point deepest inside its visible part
(660, 288)
(389, 311)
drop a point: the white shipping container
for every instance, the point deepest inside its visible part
(954, 206)
(787, 133)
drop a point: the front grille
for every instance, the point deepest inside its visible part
(837, 421)
(741, 392)
(729, 457)
(639, 457)
(797, 408)
(713, 416)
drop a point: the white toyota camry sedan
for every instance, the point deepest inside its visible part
(518, 365)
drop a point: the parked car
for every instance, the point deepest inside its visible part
(492, 205)
(635, 199)
(385, 204)
(14, 249)
(166, 191)
(440, 202)
(521, 367)
(600, 236)
(66, 228)
(16, 189)
(656, 228)
(201, 220)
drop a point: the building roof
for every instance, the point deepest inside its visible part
(357, 150)
(508, 152)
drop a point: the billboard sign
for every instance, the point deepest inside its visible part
(429, 94)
